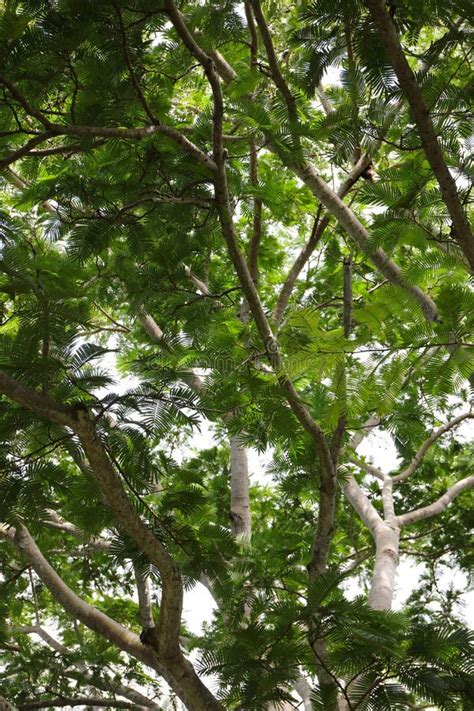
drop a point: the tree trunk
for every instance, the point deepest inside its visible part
(387, 541)
(239, 490)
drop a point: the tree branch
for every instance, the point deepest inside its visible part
(6, 705)
(164, 639)
(113, 491)
(278, 77)
(126, 54)
(30, 110)
(419, 456)
(72, 603)
(333, 203)
(240, 265)
(25, 150)
(407, 80)
(437, 506)
(79, 701)
(144, 598)
(365, 430)
(90, 678)
(54, 129)
(359, 501)
(317, 230)
(355, 229)
(369, 468)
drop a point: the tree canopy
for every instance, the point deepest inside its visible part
(249, 219)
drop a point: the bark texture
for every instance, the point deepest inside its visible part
(240, 520)
(387, 539)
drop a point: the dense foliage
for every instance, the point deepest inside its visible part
(251, 221)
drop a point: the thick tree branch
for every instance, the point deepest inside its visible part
(78, 608)
(369, 468)
(77, 701)
(67, 149)
(165, 637)
(144, 598)
(24, 103)
(54, 129)
(359, 501)
(240, 518)
(111, 486)
(6, 705)
(419, 456)
(355, 229)
(92, 679)
(169, 623)
(223, 67)
(328, 474)
(26, 149)
(409, 85)
(437, 506)
(387, 500)
(42, 405)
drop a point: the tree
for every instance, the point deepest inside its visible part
(195, 229)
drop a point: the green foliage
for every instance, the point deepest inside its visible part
(98, 230)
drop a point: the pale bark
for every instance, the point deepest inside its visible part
(151, 327)
(420, 454)
(240, 519)
(92, 544)
(386, 535)
(358, 436)
(6, 705)
(385, 531)
(369, 468)
(319, 226)
(359, 501)
(387, 538)
(437, 506)
(84, 675)
(73, 604)
(229, 234)
(303, 688)
(239, 490)
(239, 262)
(325, 102)
(201, 287)
(387, 500)
(177, 670)
(144, 598)
(19, 182)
